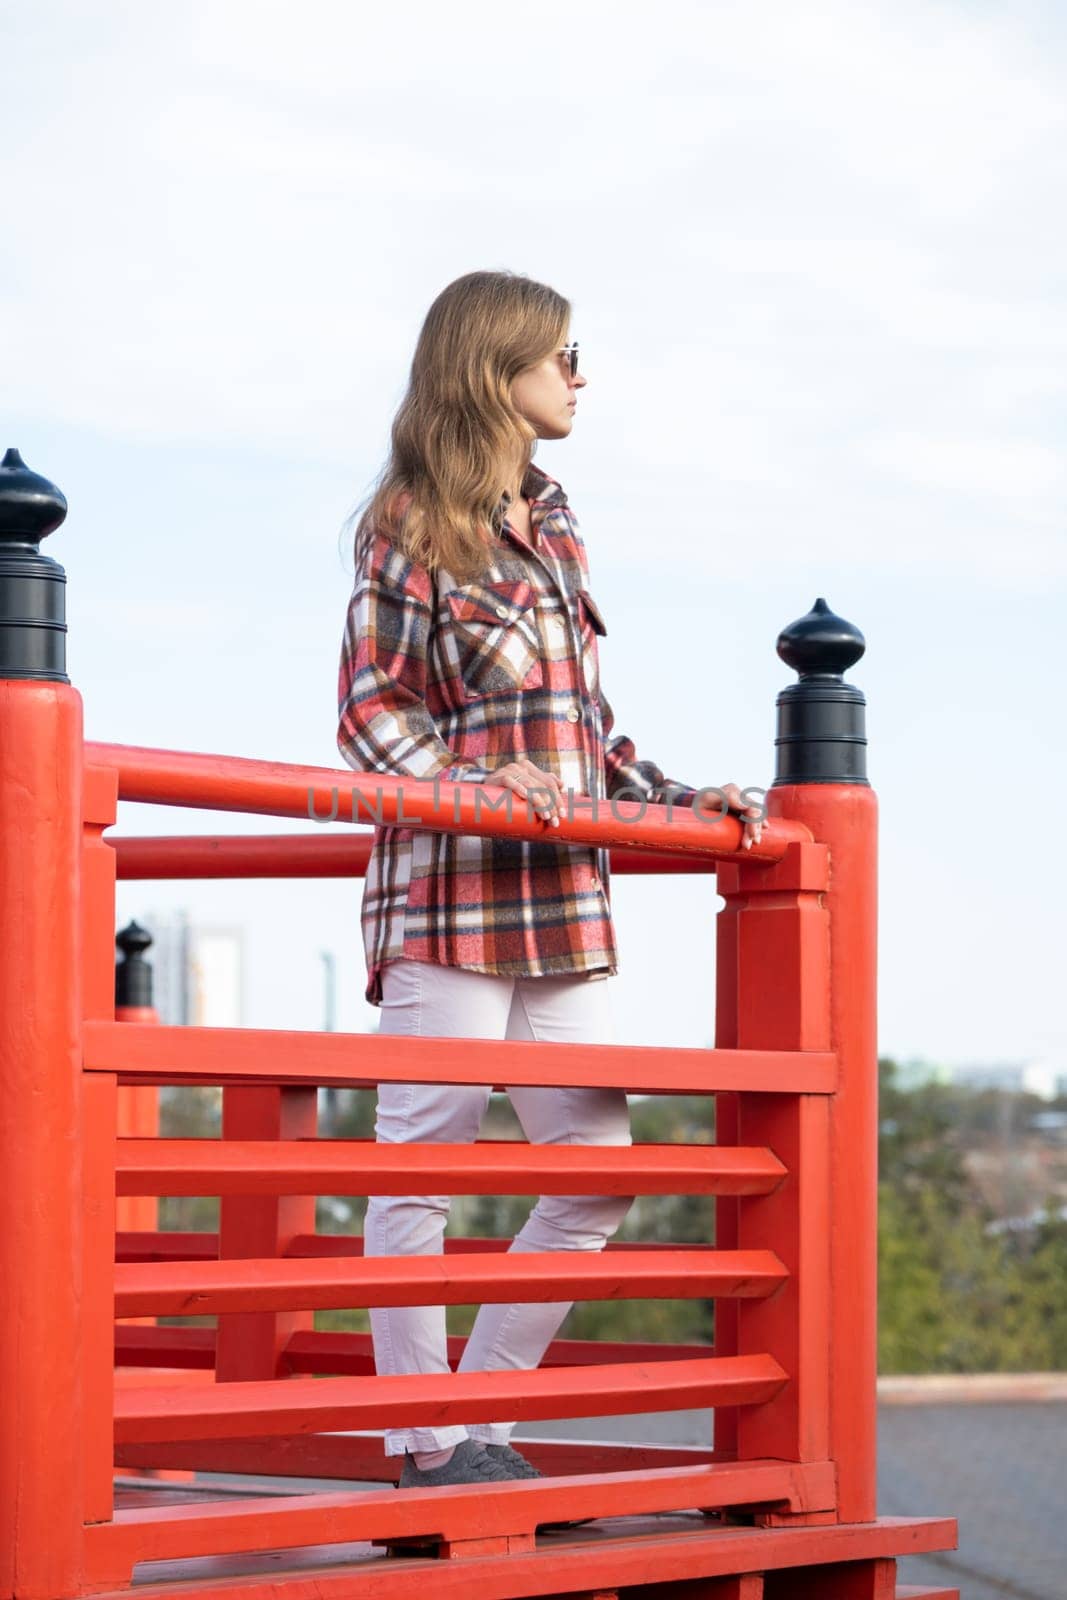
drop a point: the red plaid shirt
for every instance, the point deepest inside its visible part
(455, 680)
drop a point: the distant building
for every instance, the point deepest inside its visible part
(1004, 1075)
(917, 1071)
(1044, 1078)
(198, 971)
(216, 964)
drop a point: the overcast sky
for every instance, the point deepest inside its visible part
(817, 257)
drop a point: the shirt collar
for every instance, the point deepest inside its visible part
(545, 492)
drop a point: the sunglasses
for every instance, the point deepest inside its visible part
(571, 352)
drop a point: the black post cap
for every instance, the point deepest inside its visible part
(133, 975)
(821, 733)
(33, 623)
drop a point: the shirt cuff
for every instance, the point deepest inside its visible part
(466, 774)
(678, 794)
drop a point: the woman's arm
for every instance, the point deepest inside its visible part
(625, 771)
(385, 724)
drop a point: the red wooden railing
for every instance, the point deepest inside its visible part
(783, 1505)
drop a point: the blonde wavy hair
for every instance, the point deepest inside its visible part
(457, 441)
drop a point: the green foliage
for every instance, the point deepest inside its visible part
(956, 1292)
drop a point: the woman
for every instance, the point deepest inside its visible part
(470, 654)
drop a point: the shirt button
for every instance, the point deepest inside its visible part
(501, 611)
(573, 713)
(559, 622)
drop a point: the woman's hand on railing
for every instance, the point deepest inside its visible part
(524, 779)
(730, 801)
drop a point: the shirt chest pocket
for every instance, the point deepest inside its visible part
(592, 625)
(494, 633)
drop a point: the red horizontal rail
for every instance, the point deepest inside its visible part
(695, 1555)
(310, 855)
(352, 1355)
(361, 1456)
(203, 1288)
(350, 1244)
(278, 789)
(173, 1245)
(156, 1533)
(363, 1167)
(317, 1405)
(155, 1053)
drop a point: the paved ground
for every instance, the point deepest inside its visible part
(1000, 1469)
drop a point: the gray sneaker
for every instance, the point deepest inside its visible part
(470, 1463)
(517, 1465)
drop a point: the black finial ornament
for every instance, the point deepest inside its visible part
(133, 975)
(821, 733)
(33, 625)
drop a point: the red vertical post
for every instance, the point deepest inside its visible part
(846, 819)
(822, 782)
(251, 1344)
(100, 1091)
(41, 1471)
(138, 1104)
(774, 984)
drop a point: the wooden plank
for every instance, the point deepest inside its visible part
(794, 1326)
(874, 1579)
(329, 794)
(352, 1354)
(689, 1550)
(361, 1166)
(154, 1533)
(312, 855)
(163, 1054)
(261, 1222)
(741, 1586)
(167, 1245)
(201, 1288)
(314, 1405)
(361, 1457)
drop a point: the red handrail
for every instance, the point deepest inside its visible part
(793, 1170)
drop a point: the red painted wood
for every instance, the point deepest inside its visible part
(165, 1245)
(361, 1457)
(312, 855)
(251, 1343)
(278, 789)
(845, 818)
(295, 1405)
(208, 1287)
(775, 920)
(348, 1244)
(307, 1166)
(351, 1354)
(626, 1556)
(100, 1097)
(742, 1586)
(41, 1373)
(483, 1511)
(795, 1325)
(100, 1103)
(360, 1060)
(847, 1580)
(137, 1118)
(173, 1245)
(138, 1345)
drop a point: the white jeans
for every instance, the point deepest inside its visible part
(426, 998)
